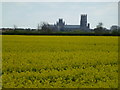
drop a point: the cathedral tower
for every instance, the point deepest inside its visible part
(83, 21)
(60, 25)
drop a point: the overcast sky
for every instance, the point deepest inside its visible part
(29, 14)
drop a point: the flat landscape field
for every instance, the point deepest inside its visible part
(59, 61)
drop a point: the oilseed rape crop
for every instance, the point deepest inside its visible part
(59, 61)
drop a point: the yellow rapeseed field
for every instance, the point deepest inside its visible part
(59, 61)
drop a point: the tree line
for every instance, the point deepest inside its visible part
(43, 28)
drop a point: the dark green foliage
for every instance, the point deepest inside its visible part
(116, 32)
(97, 32)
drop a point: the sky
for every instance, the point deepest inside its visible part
(29, 14)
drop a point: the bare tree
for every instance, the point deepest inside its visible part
(100, 24)
(45, 27)
(15, 27)
(99, 28)
(38, 27)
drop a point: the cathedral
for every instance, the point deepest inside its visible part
(61, 26)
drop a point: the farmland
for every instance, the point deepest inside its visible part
(59, 61)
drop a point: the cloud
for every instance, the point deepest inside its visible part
(60, 0)
(31, 13)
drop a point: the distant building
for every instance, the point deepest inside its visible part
(61, 26)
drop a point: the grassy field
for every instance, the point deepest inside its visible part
(59, 61)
